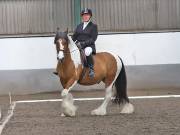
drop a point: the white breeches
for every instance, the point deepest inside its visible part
(88, 51)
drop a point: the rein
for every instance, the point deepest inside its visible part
(68, 52)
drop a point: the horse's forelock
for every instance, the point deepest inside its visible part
(60, 35)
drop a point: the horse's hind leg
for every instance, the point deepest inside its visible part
(101, 110)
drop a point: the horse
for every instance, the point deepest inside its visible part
(108, 68)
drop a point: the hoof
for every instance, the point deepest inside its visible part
(68, 107)
(62, 115)
(69, 111)
(98, 112)
(128, 108)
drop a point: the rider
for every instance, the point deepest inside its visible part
(85, 36)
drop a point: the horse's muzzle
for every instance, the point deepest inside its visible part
(60, 55)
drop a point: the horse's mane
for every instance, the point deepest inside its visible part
(75, 54)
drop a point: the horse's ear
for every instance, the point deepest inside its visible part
(57, 30)
(66, 31)
(56, 35)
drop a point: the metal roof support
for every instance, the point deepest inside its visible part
(77, 11)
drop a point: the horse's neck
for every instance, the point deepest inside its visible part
(74, 52)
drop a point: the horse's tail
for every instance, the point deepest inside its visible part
(121, 87)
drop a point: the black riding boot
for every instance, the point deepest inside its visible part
(90, 65)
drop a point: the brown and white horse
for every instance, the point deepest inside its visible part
(108, 68)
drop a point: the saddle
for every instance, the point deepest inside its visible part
(84, 63)
(83, 58)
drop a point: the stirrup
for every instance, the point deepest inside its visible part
(55, 73)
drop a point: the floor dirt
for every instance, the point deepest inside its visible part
(151, 116)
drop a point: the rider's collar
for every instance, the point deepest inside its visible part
(85, 24)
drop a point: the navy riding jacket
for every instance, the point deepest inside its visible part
(86, 37)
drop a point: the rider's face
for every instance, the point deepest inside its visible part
(86, 17)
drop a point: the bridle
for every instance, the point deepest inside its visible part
(67, 52)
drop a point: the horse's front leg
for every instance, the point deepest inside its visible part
(68, 86)
(68, 107)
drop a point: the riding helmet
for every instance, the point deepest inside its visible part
(86, 11)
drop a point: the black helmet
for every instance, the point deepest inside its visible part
(86, 11)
